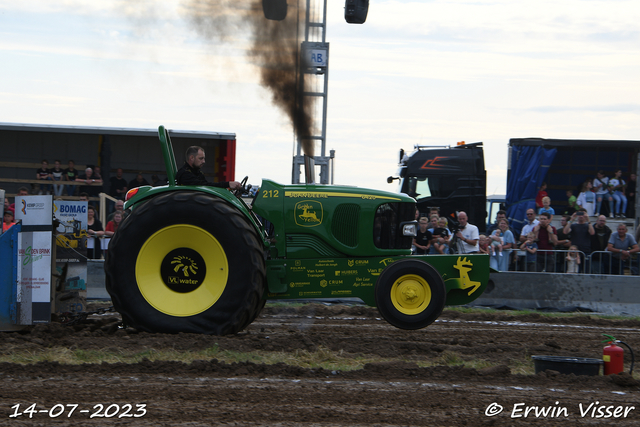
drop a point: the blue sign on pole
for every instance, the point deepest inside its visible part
(316, 54)
(318, 58)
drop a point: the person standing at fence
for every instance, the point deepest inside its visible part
(119, 207)
(95, 231)
(441, 236)
(599, 243)
(113, 225)
(581, 231)
(423, 238)
(573, 260)
(530, 247)
(564, 242)
(502, 214)
(500, 260)
(530, 222)
(547, 239)
(467, 235)
(622, 245)
(483, 244)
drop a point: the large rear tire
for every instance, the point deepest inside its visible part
(186, 262)
(410, 294)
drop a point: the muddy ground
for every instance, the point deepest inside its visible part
(393, 393)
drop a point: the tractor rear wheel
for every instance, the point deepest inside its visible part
(186, 262)
(410, 294)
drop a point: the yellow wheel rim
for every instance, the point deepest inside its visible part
(410, 294)
(182, 270)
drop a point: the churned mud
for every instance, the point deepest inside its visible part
(396, 392)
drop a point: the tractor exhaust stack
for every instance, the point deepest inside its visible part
(309, 169)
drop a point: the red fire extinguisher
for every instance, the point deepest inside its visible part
(613, 356)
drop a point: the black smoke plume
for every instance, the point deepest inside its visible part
(274, 49)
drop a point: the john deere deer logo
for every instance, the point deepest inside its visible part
(463, 265)
(308, 213)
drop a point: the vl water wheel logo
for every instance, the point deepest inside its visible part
(183, 270)
(185, 264)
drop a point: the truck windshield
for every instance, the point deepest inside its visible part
(417, 187)
(441, 187)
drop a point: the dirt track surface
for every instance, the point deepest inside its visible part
(391, 393)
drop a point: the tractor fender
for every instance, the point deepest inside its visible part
(147, 192)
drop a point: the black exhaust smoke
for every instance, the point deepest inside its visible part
(274, 49)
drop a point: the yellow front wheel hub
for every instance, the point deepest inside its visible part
(182, 270)
(411, 294)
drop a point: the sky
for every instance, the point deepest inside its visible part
(417, 72)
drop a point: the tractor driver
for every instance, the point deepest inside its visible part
(190, 173)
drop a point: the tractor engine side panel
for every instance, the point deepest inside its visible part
(312, 221)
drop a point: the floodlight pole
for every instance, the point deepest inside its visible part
(314, 73)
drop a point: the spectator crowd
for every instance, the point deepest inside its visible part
(582, 244)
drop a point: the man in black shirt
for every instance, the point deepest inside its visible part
(118, 188)
(44, 173)
(581, 232)
(190, 173)
(599, 243)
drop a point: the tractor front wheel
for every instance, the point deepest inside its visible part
(410, 294)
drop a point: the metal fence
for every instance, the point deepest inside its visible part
(556, 261)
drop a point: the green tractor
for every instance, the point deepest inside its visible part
(198, 259)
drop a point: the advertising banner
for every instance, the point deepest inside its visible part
(71, 255)
(34, 277)
(33, 294)
(34, 211)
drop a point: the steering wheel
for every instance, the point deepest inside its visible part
(238, 192)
